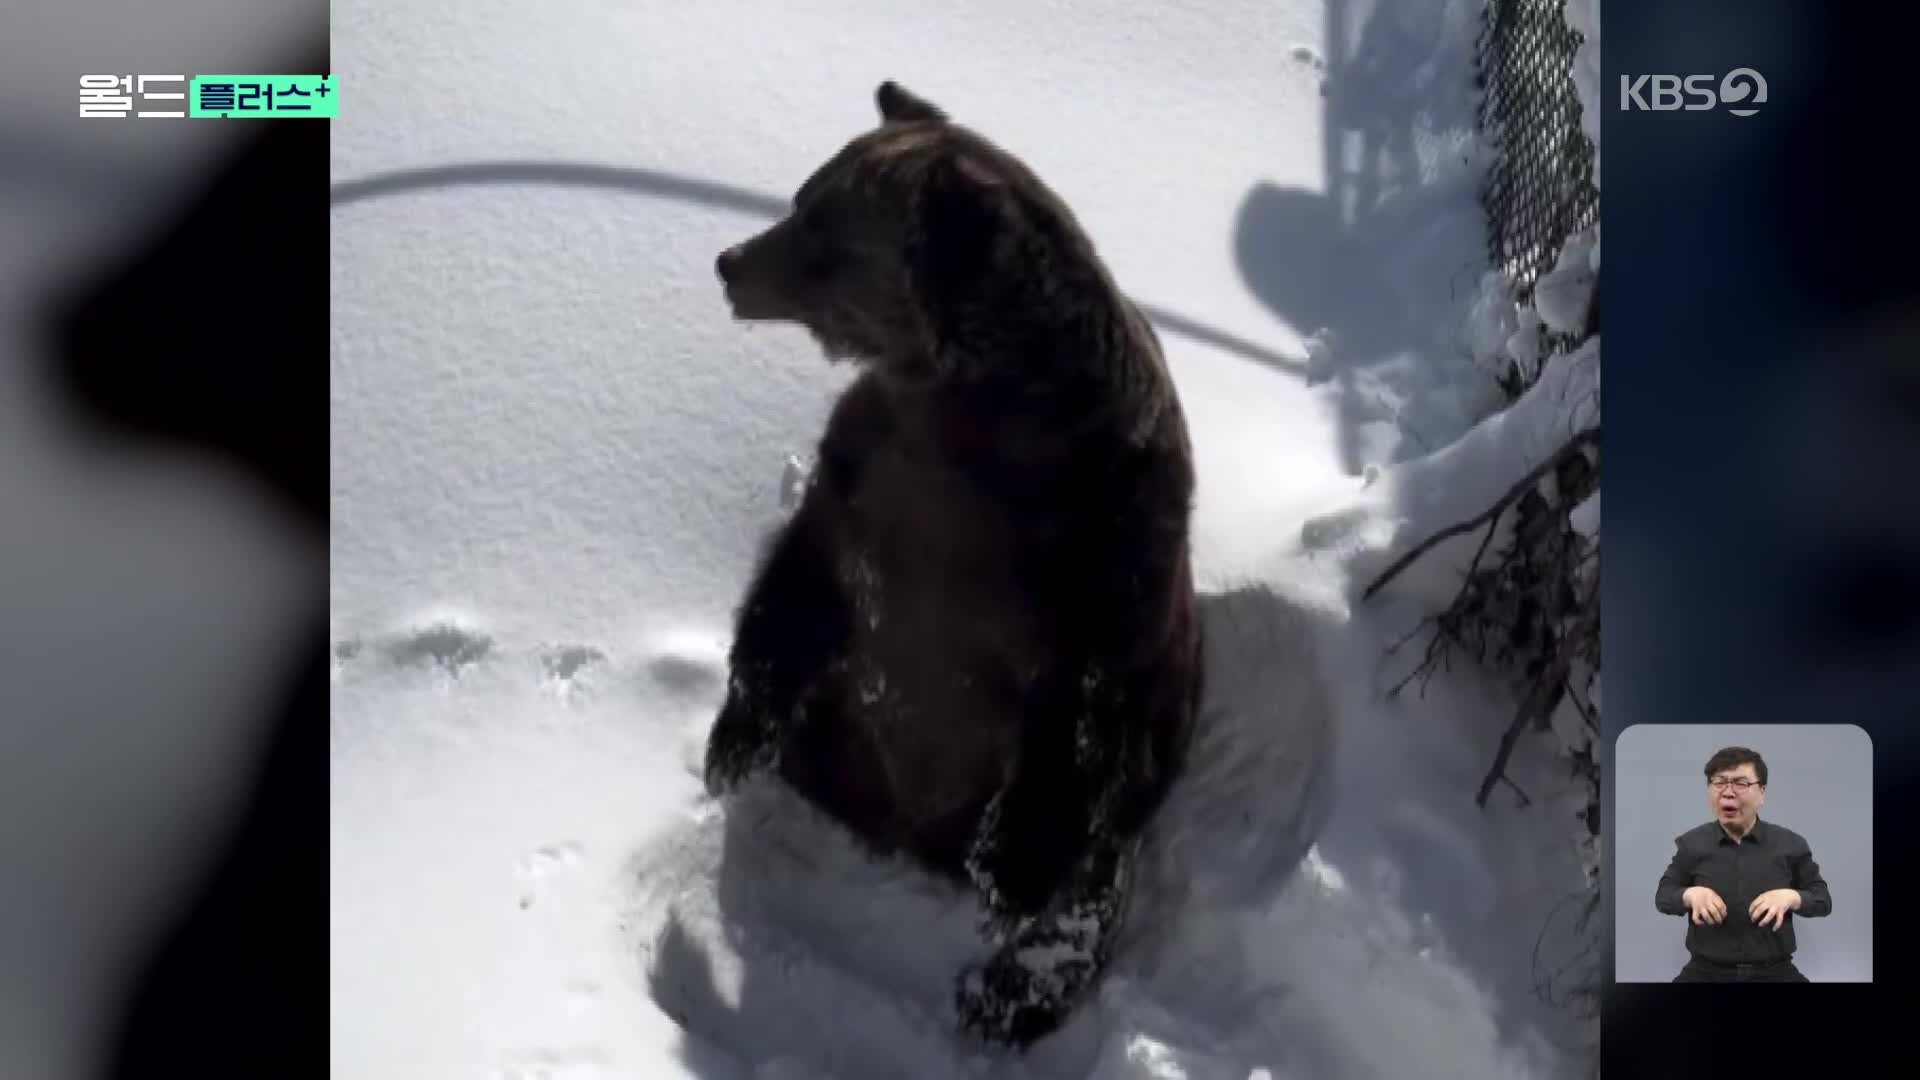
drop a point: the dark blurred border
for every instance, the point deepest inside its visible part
(1764, 353)
(214, 338)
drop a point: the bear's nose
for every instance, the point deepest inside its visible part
(725, 264)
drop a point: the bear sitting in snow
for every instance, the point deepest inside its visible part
(975, 643)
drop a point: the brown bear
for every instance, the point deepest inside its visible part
(975, 642)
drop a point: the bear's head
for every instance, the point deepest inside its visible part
(916, 246)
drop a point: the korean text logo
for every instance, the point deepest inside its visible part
(217, 96)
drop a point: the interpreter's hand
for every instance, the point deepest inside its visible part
(1770, 908)
(1704, 905)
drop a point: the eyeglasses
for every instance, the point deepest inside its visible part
(1741, 783)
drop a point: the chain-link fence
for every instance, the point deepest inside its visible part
(1540, 188)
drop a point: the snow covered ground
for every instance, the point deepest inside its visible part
(553, 456)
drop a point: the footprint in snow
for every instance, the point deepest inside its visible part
(688, 664)
(534, 869)
(564, 662)
(444, 644)
(684, 675)
(568, 669)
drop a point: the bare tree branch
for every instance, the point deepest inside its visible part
(1508, 780)
(1488, 516)
(1549, 679)
(1585, 710)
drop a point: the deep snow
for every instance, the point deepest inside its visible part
(554, 454)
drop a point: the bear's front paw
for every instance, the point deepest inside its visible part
(1006, 1003)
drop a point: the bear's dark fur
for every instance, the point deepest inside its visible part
(975, 643)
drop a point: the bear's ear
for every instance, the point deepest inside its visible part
(898, 105)
(965, 214)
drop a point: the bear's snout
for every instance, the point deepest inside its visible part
(753, 275)
(731, 266)
(727, 264)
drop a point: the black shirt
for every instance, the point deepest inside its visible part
(1770, 857)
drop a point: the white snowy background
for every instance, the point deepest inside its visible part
(554, 456)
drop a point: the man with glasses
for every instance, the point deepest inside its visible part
(1739, 881)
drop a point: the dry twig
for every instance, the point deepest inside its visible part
(1555, 557)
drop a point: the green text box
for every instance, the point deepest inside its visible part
(277, 97)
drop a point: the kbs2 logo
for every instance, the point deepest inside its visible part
(1741, 91)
